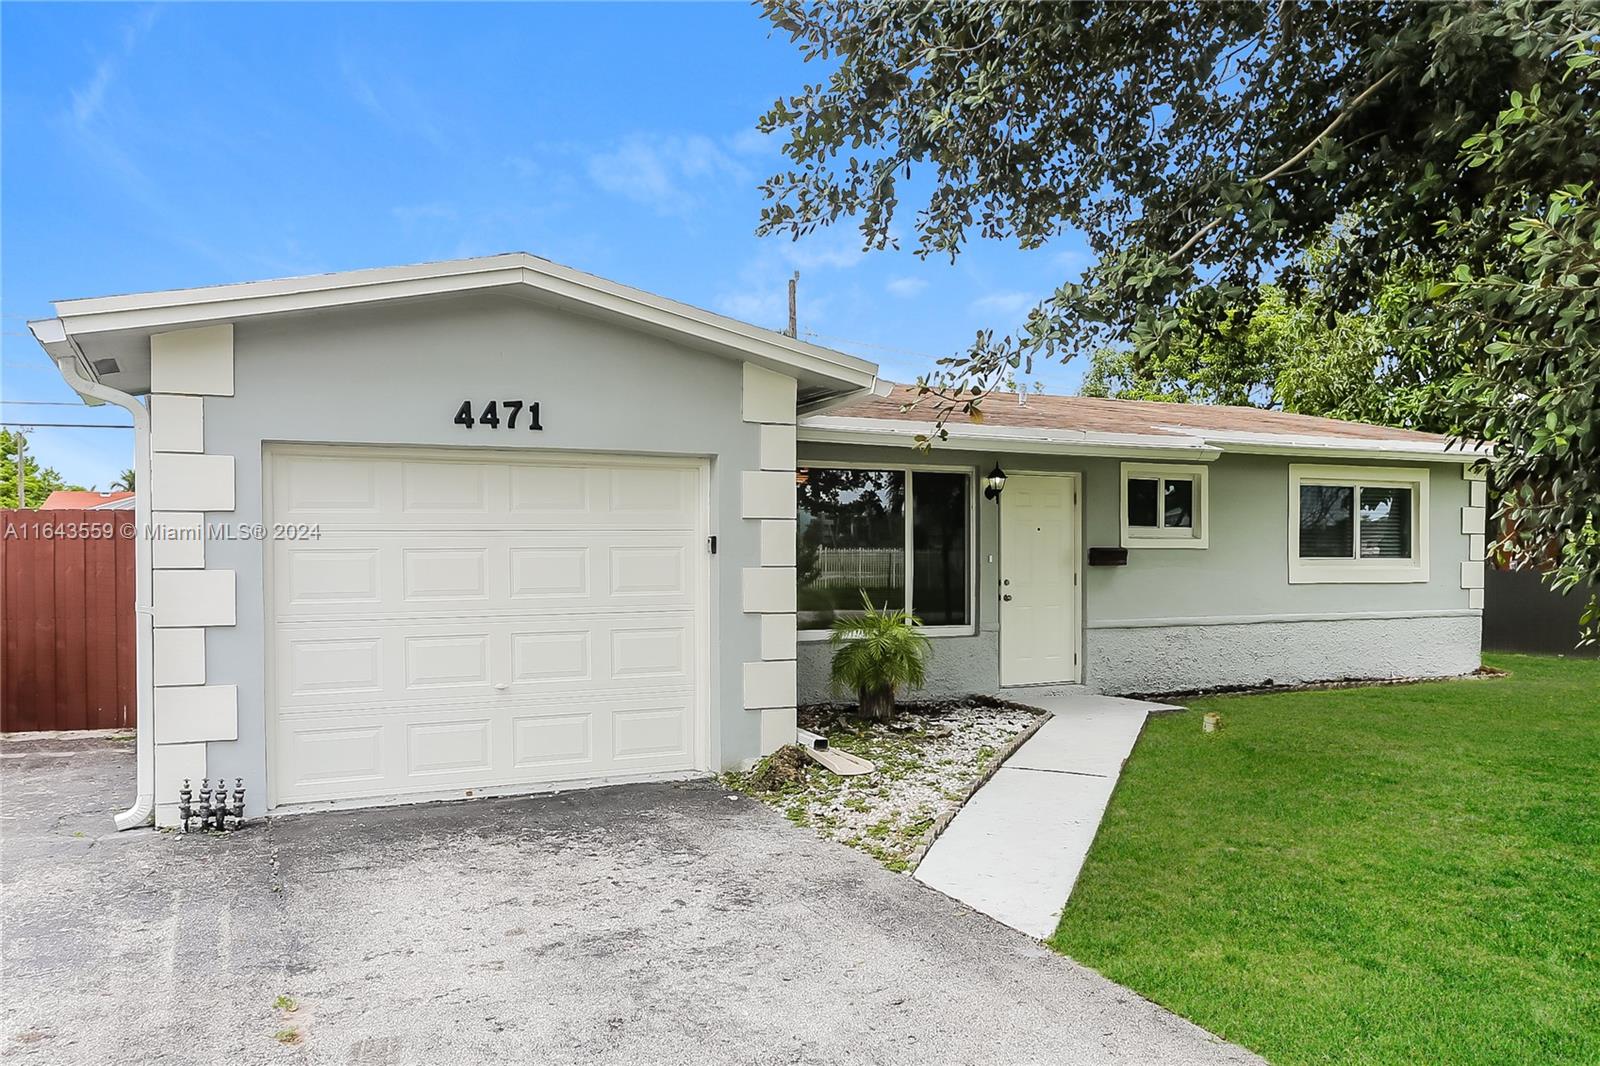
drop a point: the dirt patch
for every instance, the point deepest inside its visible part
(926, 762)
(784, 768)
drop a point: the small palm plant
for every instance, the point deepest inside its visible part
(876, 653)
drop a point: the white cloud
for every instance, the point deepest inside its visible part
(668, 174)
(1002, 303)
(906, 287)
(835, 248)
(760, 293)
(760, 305)
(89, 98)
(394, 102)
(751, 141)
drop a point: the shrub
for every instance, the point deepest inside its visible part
(876, 653)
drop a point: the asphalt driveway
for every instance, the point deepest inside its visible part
(651, 924)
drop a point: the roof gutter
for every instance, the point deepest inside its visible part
(74, 369)
(1348, 448)
(879, 388)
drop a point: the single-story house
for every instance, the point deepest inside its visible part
(497, 525)
(87, 500)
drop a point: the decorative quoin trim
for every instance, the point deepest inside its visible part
(768, 498)
(186, 366)
(1474, 524)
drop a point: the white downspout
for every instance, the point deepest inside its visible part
(144, 803)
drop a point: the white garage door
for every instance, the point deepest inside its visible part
(483, 622)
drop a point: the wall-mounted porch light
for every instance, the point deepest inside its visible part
(995, 483)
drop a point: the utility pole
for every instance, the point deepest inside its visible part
(794, 320)
(22, 470)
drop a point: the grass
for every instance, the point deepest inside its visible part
(1375, 875)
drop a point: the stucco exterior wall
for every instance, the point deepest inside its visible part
(397, 375)
(1226, 614)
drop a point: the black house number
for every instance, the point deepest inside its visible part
(498, 413)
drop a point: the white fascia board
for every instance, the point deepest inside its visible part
(51, 333)
(1346, 447)
(180, 308)
(830, 429)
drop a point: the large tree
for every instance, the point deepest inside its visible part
(1298, 353)
(41, 481)
(1200, 146)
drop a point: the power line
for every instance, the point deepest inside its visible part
(64, 425)
(867, 344)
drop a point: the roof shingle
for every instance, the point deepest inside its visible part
(1148, 417)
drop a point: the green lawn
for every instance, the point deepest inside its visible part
(1403, 874)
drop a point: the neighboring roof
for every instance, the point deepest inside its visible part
(1086, 425)
(73, 500)
(119, 327)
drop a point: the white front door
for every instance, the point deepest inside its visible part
(1038, 580)
(483, 620)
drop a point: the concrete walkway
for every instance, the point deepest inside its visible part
(1015, 850)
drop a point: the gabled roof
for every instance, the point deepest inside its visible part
(1091, 426)
(118, 327)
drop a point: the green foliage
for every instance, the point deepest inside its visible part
(124, 482)
(1531, 304)
(41, 481)
(877, 652)
(1201, 148)
(1398, 874)
(1301, 355)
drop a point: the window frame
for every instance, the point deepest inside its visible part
(1356, 569)
(971, 474)
(1162, 536)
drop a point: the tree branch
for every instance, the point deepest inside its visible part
(1278, 170)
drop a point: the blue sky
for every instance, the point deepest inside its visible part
(160, 147)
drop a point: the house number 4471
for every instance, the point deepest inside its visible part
(498, 413)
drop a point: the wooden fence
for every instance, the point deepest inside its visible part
(66, 620)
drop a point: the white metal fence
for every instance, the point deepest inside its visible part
(860, 568)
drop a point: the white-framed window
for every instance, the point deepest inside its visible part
(1357, 524)
(1164, 505)
(903, 535)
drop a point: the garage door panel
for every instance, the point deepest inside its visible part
(657, 651)
(461, 490)
(545, 572)
(453, 747)
(320, 487)
(552, 656)
(347, 755)
(312, 577)
(373, 664)
(650, 733)
(550, 493)
(378, 493)
(649, 571)
(481, 622)
(444, 574)
(336, 758)
(454, 662)
(653, 496)
(551, 741)
(391, 575)
(337, 667)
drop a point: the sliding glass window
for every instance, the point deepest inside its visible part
(878, 532)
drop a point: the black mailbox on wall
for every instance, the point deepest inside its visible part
(1108, 556)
